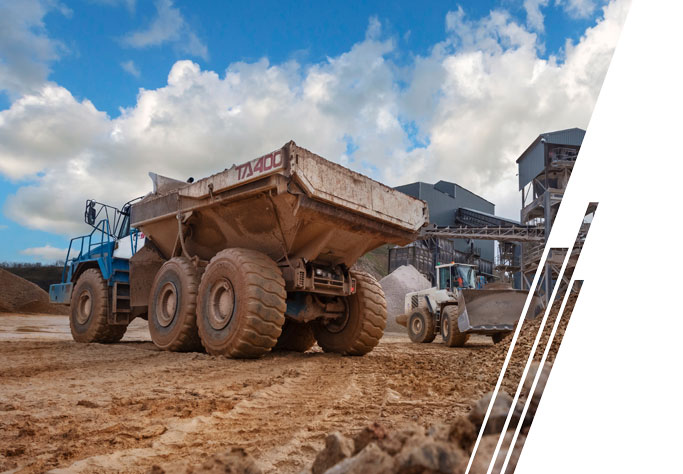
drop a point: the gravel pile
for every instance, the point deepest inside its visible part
(403, 280)
(18, 295)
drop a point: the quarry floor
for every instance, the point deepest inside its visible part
(128, 406)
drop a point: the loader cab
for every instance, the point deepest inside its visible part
(455, 275)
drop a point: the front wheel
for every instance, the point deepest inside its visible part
(421, 326)
(89, 308)
(361, 326)
(450, 333)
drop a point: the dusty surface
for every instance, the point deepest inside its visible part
(129, 406)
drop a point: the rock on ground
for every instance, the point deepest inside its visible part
(412, 449)
(337, 448)
(486, 449)
(498, 415)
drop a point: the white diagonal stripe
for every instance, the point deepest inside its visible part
(529, 361)
(520, 322)
(560, 315)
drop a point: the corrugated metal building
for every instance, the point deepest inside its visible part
(532, 162)
(444, 199)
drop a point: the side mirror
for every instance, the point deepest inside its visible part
(90, 213)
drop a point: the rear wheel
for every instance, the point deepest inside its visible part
(450, 333)
(361, 327)
(421, 326)
(89, 308)
(295, 336)
(241, 304)
(172, 306)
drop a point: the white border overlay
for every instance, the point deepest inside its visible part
(611, 403)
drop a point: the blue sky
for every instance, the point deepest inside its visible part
(103, 52)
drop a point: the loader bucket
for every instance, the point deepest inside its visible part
(492, 311)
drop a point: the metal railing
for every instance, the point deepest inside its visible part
(86, 248)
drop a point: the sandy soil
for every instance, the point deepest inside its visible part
(129, 406)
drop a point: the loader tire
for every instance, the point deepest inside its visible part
(421, 327)
(496, 338)
(172, 307)
(450, 333)
(89, 309)
(360, 329)
(241, 304)
(297, 337)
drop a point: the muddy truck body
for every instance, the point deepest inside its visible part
(253, 258)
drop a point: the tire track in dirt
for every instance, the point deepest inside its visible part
(128, 406)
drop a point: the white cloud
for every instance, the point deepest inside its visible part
(534, 16)
(463, 113)
(168, 26)
(130, 67)
(578, 8)
(47, 129)
(26, 50)
(45, 253)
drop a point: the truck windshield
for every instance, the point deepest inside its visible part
(124, 222)
(468, 276)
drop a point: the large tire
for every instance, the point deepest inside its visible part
(172, 307)
(421, 327)
(241, 304)
(89, 309)
(362, 326)
(450, 333)
(499, 337)
(295, 336)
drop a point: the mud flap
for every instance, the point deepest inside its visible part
(60, 293)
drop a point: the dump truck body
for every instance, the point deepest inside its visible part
(292, 205)
(291, 200)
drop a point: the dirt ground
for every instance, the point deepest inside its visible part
(129, 406)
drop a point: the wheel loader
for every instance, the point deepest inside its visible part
(253, 258)
(458, 307)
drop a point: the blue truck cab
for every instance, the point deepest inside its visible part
(104, 254)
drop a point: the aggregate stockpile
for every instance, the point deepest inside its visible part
(405, 279)
(18, 295)
(260, 254)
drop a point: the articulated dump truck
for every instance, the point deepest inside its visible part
(254, 258)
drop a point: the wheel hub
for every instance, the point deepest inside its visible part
(167, 304)
(338, 324)
(445, 326)
(84, 309)
(221, 304)
(416, 325)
